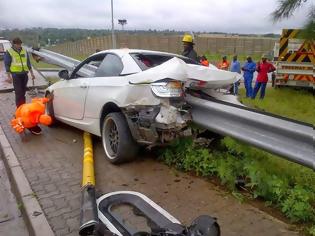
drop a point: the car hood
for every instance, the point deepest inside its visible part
(177, 69)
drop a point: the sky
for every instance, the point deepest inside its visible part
(231, 16)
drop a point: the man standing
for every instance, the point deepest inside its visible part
(249, 69)
(17, 65)
(188, 45)
(224, 64)
(235, 67)
(263, 68)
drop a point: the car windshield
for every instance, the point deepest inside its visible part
(149, 60)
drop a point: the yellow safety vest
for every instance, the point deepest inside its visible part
(19, 61)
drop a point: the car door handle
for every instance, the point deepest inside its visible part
(83, 86)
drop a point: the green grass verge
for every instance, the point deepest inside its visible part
(287, 102)
(287, 186)
(241, 57)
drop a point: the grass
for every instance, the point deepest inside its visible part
(286, 186)
(287, 102)
(214, 58)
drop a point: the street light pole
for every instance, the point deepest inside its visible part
(113, 30)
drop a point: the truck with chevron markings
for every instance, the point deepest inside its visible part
(294, 59)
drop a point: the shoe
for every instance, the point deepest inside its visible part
(36, 130)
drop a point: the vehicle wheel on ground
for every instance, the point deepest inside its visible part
(50, 109)
(118, 143)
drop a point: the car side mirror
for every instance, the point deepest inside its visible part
(63, 74)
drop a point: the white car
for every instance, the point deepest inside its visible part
(131, 97)
(4, 46)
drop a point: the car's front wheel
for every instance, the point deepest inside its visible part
(117, 140)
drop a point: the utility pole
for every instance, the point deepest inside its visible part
(113, 30)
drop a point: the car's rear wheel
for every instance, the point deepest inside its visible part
(50, 109)
(118, 143)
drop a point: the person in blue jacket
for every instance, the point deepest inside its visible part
(235, 67)
(249, 69)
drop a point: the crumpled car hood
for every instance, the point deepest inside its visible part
(177, 69)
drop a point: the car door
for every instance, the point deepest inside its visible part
(70, 96)
(108, 85)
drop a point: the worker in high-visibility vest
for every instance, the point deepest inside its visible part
(188, 44)
(17, 65)
(224, 64)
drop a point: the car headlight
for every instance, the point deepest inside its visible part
(170, 88)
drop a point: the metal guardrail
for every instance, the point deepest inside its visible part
(289, 139)
(54, 58)
(63, 61)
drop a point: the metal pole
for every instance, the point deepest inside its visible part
(113, 30)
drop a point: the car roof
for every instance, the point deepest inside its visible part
(4, 41)
(123, 51)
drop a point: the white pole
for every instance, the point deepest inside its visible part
(113, 30)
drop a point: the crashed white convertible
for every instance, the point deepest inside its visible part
(131, 97)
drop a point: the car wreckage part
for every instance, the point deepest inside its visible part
(159, 221)
(167, 88)
(88, 212)
(290, 139)
(158, 124)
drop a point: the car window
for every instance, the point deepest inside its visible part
(88, 67)
(149, 60)
(110, 66)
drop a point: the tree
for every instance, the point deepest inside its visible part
(286, 9)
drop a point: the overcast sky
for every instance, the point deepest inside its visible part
(239, 16)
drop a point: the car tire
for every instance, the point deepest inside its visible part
(50, 109)
(118, 143)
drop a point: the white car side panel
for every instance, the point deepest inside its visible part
(117, 90)
(69, 98)
(88, 124)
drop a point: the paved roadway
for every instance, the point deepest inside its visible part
(52, 163)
